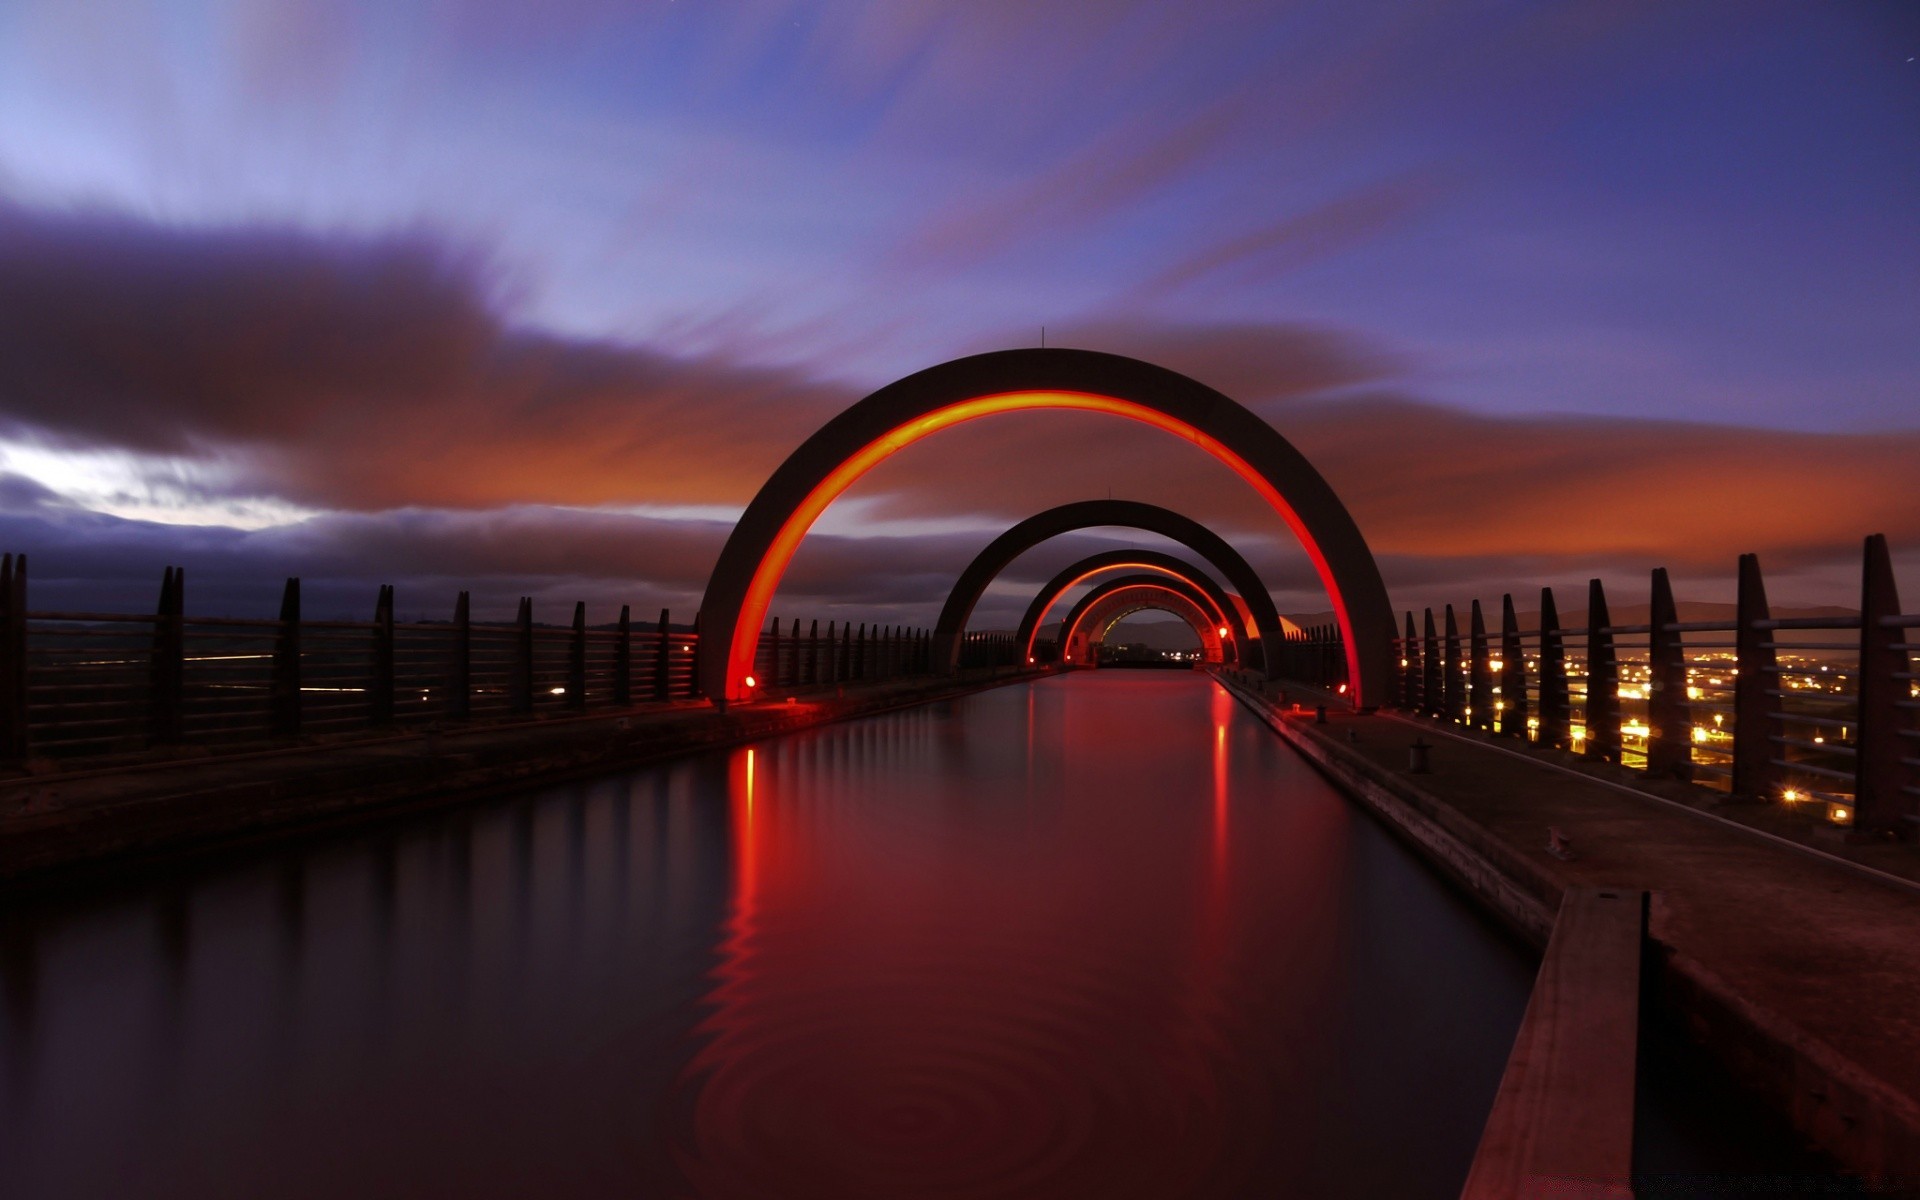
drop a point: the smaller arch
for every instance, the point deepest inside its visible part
(1116, 600)
(1155, 591)
(1219, 601)
(1093, 514)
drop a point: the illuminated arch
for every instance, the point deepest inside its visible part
(761, 545)
(1217, 601)
(1116, 599)
(1089, 514)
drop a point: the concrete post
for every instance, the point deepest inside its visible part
(1432, 700)
(460, 672)
(168, 675)
(380, 669)
(13, 659)
(623, 658)
(1603, 680)
(520, 674)
(577, 658)
(1480, 673)
(1754, 775)
(662, 659)
(1556, 704)
(1882, 805)
(1451, 684)
(1669, 716)
(813, 653)
(1513, 673)
(285, 689)
(770, 677)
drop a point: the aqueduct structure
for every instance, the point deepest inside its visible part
(761, 545)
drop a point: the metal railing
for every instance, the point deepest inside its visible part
(1817, 710)
(109, 685)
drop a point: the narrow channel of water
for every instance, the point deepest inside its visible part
(1098, 936)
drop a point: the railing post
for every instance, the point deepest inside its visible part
(1480, 673)
(623, 659)
(794, 648)
(1882, 807)
(460, 677)
(1669, 716)
(860, 655)
(1513, 673)
(693, 668)
(1556, 702)
(380, 673)
(285, 689)
(168, 672)
(1432, 700)
(773, 665)
(1409, 669)
(1754, 662)
(577, 658)
(662, 651)
(812, 672)
(520, 672)
(13, 659)
(1603, 679)
(1453, 686)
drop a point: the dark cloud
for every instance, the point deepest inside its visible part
(360, 373)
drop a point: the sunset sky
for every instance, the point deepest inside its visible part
(530, 298)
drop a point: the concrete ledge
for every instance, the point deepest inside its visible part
(1798, 975)
(1562, 1121)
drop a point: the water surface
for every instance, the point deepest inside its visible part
(1103, 935)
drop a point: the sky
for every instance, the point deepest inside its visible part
(530, 299)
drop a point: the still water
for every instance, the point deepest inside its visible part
(1100, 936)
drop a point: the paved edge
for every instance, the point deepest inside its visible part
(217, 804)
(1865, 1124)
(1562, 1121)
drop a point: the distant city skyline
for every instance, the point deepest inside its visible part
(466, 295)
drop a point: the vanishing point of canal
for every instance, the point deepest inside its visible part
(1102, 935)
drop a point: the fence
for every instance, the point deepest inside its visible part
(82, 684)
(1815, 710)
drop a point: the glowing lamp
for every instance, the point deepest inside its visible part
(1343, 689)
(1791, 795)
(1224, 631)
(751, 682)
(1839, 814)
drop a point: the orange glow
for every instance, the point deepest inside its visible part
(1224, 631)
(1081, 578)
(1067, 635)
(751, 682)
(766, 578)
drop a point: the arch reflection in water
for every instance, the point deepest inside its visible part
(1088, 937)
(1140, 987)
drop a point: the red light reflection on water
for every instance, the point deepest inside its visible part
(940, 988)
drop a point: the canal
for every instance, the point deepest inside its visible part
(1103, 935)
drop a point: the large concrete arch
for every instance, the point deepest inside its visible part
(1222, 608)
(1131, 593)
(1090, 514)
(756, 554)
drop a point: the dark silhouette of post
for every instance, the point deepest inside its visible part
(380, 668)
(1556, 701)
(1432, 697)
(13, 658)
(623, 658)
(1409, 669)
(166, 699)
(1603, 680)
(1480, 673)
(1452, 686)
(1755, 777)
(577, 658)
(285, 688)
(520, 673)
(1669, 716)
(1514, 709)
(662, 647)
(1882, 806)
(813, 654)
(459, 704)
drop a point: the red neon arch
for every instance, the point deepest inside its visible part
(772, 566)
(1226, 619)
(1123, 595)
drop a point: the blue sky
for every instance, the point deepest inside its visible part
(647, 247)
